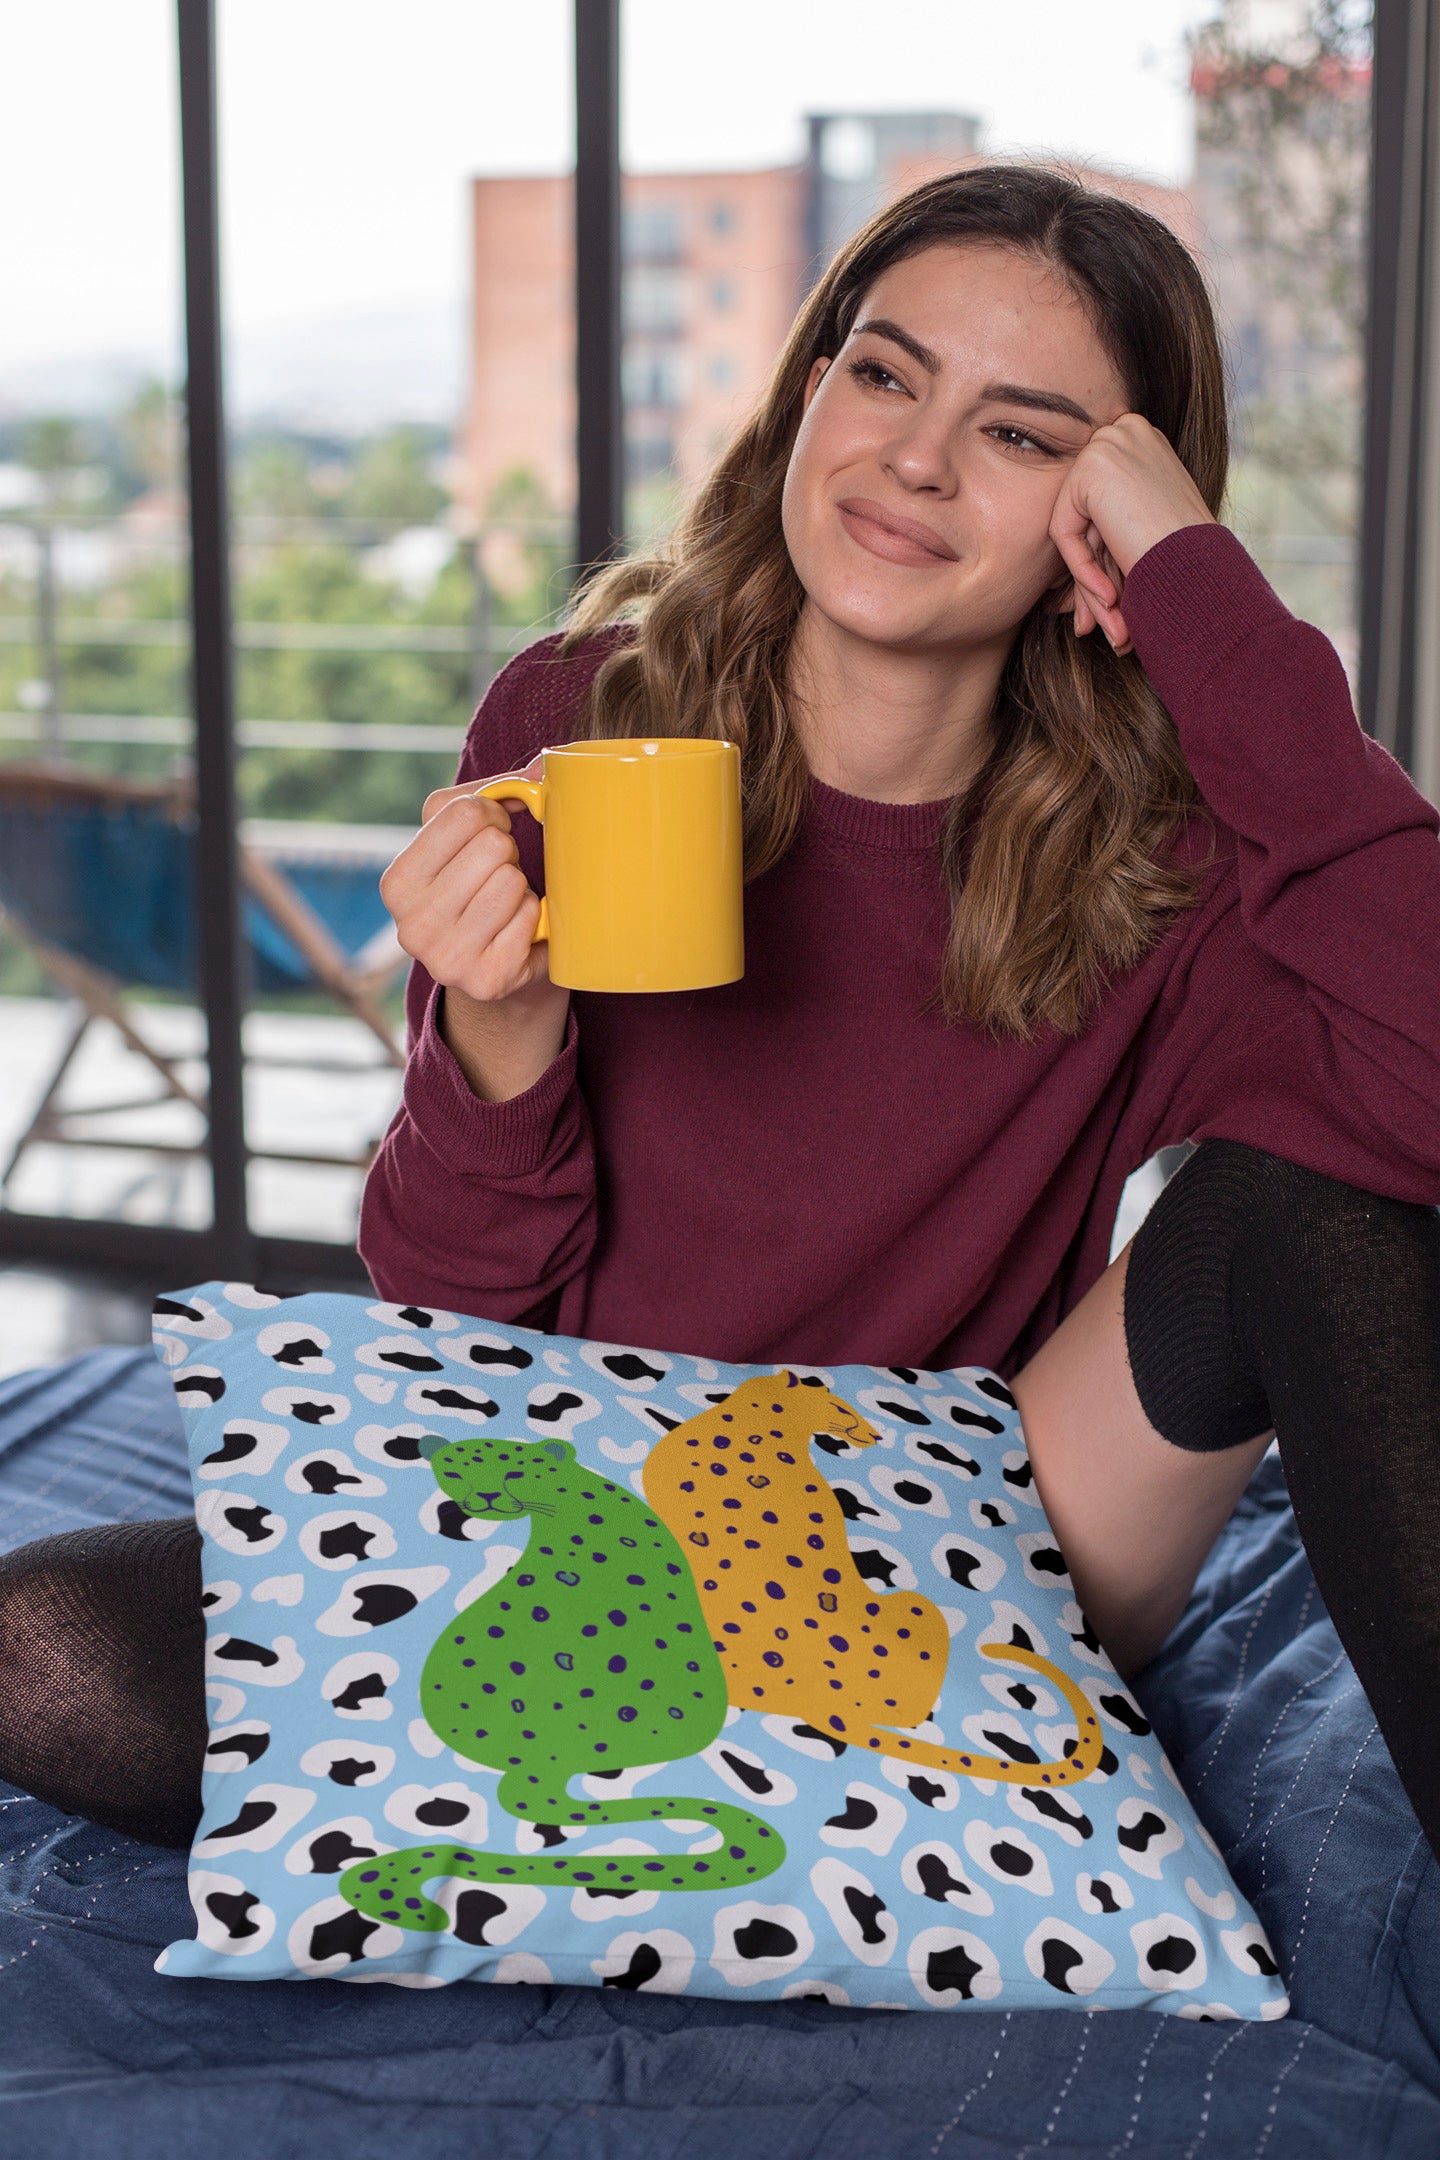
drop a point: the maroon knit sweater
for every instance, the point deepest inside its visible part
(803, 1165)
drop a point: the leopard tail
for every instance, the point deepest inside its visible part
(391, 1886)
(1069, 1772)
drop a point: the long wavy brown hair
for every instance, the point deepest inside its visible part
(1059, 857)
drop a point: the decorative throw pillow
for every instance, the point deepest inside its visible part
(533, 1659)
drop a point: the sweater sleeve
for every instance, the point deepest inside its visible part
(487, 1207)
(1305, 1014)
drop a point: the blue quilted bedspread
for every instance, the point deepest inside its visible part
(1252, 1696)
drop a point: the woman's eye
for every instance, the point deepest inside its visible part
(1018, 438)
(868, 370)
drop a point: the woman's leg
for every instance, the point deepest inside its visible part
(1257, 1292)
(102, 1663)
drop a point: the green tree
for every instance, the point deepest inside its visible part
(391, 480)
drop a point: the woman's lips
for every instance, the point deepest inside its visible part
(893, 546)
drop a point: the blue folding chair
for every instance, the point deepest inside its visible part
(97, 876)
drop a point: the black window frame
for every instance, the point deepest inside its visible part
(1401, 378)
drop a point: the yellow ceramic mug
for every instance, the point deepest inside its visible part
(643, 861)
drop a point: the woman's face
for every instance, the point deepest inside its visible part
(961, 415)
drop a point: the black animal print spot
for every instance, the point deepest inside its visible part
(297, 1351)
(1051, 1804)
(952, 1972)
(765, 1939)
(1010, 1859)
(251, 1745)
(237, 1651)
(1124, 1713)
(208, 1384)
(1171, 1954)
(925, 1790)
(975, 1420)
(253, 1523)
(311, 1413)
(350, 1768)
(936, 1451)
(808, 1732)
(252, 1816)
(1005, 1744)
(1137, 1835)
(866, 1911)
(1057, 1961)
(987, 1384)
(441, 1814)
(645, 1962)
(912, 1492)
(1020, 1475)
(1047, 1560)
(751, 1776)
(625, 1365)
(458, 1399)
(345, 1538)
(177, 1310)
(514, 1358)
(232, 1908)
(1261, 1959)
(334, 1850)
(326, 1478)
(234, 1447)
(417, 1316)
(857, 1814)
(831, 1444)
(906, 1412)
(961, 1565)
(367, 1688)
(852, 1507)
(474, 1912)
(554, 1411)
(936, 1879)
(344, 1936)
(1103, 1895)
(415, 1361)
(873, 1566)
(377, 1604)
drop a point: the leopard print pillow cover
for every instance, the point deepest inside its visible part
(533, 1659)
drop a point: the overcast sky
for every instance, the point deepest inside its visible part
(348, 128)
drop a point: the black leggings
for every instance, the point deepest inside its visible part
(1258, 1294)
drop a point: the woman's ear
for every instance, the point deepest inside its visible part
(812, 382)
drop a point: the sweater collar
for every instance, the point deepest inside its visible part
(854, 819)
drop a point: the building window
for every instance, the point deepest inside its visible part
(650, 232)
(722, 218)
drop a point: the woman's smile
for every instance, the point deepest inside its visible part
(862, 520)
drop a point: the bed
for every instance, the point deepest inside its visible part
(1252, 1696)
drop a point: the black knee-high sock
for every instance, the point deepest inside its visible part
(102, 1689)
(1261, 1294)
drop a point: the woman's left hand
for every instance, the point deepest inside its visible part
(1126, 490)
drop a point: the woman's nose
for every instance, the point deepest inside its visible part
(922, 456)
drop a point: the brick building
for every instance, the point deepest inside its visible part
(715, 266)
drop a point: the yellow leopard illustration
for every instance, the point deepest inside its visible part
(798, 1631)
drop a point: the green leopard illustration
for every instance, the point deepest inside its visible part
(591, 1654)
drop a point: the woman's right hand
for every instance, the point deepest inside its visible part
(463, 909)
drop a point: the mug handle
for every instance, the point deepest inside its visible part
(514, 787)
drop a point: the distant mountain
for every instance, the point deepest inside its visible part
(347, 372)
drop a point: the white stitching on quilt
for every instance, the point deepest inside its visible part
(1264, 2137)
(1239, 1687)
(1290, 1702)
(1207, 2092)
(1279, 1814)
(946, 2128)
(1310, 1880)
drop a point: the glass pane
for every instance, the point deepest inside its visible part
(1243, 124)
(397, 210)
(102, 1075)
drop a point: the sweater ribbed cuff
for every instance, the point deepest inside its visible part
(485, 1139)
(1190, 601)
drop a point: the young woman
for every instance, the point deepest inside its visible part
(1063, 845)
